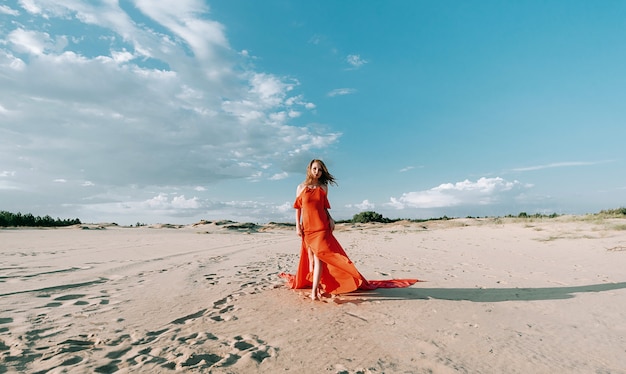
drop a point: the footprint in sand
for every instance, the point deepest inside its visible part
(254, 348)
(75, 299)
(179, 345)
(193, 349)
(212, 279)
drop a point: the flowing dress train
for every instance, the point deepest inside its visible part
(339, 274)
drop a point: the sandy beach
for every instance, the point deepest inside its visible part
(495, 296)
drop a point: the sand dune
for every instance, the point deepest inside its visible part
(496, 295)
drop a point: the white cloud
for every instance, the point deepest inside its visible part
(362, 206)
(286, 207)
(267, 101)
(365, 205)
(163, 202)
(268, 89)
(356, 61)
(484, 191)
(341, 92)
(179, 202)
(127, 103)
(10, 61)
(315, 39)
(159, 201)
(558, 165)
(33, 42)
(30, 6)
(203, 36)
(7, 186)
(279, 176)
(8, 10)
(121, 57)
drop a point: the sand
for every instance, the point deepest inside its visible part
(495, 296)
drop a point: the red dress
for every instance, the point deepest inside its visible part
(339, 275)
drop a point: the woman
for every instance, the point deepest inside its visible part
(323, 262)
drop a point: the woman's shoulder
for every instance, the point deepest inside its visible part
(299, 189)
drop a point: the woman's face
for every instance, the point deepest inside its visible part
(316, 170)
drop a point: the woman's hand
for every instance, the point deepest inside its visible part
(299, 230)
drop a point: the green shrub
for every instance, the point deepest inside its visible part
(614, 212)
(369, 216)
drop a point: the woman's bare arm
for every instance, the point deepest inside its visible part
(299, 211)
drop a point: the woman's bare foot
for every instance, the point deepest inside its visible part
(316, 295)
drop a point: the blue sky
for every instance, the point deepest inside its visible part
(161, 111)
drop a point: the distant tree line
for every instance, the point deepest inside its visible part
(536, 215)
(370, 216)
(8, 219)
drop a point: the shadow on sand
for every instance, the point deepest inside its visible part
(484, 295)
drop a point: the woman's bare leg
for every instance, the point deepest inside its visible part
(317, 272)
(311, 260)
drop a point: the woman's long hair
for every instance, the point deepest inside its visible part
(326, 177)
